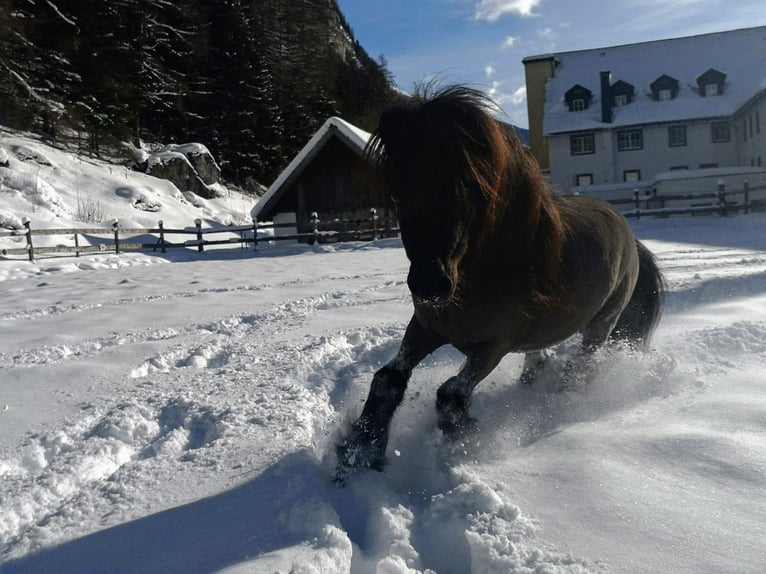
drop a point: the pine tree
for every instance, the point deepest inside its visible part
(252, 79)
(38, 78)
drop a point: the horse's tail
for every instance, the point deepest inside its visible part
(640, 317)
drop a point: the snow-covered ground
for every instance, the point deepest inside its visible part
(178, 414)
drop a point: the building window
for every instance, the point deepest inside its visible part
(630, 140)
(720, 132)
(708, 165)
(750, 123)
(757, 122)
(631, 175)
(584, 179)
(664, 95)
(677, 136)
(621, 100)
(582, 144)
(679, 167)
(577, 105)
(711, 90)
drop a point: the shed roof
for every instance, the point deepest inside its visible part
(352, 136)
(738, 53)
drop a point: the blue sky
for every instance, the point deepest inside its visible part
(483, 42)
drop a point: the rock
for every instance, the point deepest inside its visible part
(176, 168)
(191, 167)
(201, 159)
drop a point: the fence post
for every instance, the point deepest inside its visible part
(198, 223)
(747, 196)
(374, 214)
(116, 229)
(76, 245)
(161, 225)
(722, 197)
(30, 247)
(315, 223)
(255, 234)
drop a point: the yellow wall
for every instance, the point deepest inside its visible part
(537, 70)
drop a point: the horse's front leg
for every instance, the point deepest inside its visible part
(365, 446)
(454, 397)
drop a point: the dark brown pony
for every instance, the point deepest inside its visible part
(497, 263)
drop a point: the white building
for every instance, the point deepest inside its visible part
(629, 113)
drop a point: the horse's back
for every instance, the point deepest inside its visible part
(580, 212)
(597, 233)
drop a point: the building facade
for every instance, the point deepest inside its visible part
(628, 113)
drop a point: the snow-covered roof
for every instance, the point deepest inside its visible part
(354, 137)
(740, 54)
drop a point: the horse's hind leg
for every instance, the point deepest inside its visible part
(365, 446)
(534, 362)
(580, 369)
(454, 397)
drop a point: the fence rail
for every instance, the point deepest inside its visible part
(722, 202)
(135, 238)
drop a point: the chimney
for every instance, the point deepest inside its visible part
(606, 97)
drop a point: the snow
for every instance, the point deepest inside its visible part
(179, 413)
(736, 53)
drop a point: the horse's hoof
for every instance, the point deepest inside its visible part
(528, 377)
(344, 469)
(354, 455)
(458, 431)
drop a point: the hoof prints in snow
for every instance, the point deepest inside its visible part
(59, 471)
(177, 426)
(100, 459)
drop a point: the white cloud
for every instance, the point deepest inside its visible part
(510, 41)
(546, 33)
(489, 71)
(493, 10)
(513, 103)
(519, 96)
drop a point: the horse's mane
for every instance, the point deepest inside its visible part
(452, 128)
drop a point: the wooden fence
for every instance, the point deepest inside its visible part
(721, 202)
(121, 239)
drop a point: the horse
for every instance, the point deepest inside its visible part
(498, 263)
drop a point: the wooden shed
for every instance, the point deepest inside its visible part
(330, 177)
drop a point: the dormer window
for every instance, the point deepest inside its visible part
(711, 83)
(623, 93)
(578, 98)
(664, 88)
